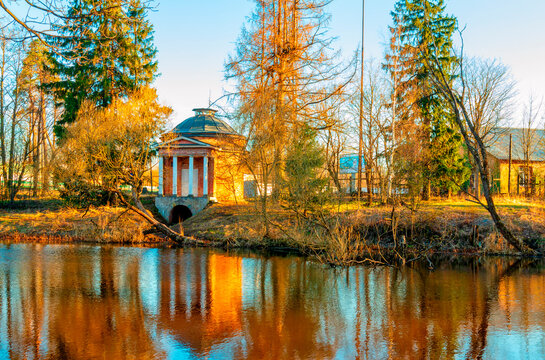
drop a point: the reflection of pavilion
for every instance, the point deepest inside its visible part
(127, 303)
(220, 305)
(201, 304)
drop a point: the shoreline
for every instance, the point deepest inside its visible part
(18, 239)
(359, 236)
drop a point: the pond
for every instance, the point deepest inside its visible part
(92, 302)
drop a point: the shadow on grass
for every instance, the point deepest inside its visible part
(469, 205)
(34, 205)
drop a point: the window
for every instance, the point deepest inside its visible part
(525, 175)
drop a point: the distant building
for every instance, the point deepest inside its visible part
(198, 163)
(348, 171)
(522, 177)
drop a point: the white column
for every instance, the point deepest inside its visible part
(213, 174)
(175, 175)
(161, 176)
(190, 180)
(205, 176)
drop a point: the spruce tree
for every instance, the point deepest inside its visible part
(304, 161)
(449, 168)
(105, 51)
(426, 35)
(141, 51)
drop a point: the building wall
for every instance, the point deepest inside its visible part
(229, 177)
(228, 168)
(225, 176)
(538, 169)
(495, 174)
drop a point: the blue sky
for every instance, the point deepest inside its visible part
(194, 38)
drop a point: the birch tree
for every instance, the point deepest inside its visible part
(374, 110)
(41, 111)
(16, 127)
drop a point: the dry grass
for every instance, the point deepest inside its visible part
(352, 232)
(447, 226)
(103, 225)
(239, 223)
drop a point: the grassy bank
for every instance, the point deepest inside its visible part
(345, 234)
(47, 221)
(352, 234)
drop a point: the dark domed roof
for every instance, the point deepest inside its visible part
(204, 123)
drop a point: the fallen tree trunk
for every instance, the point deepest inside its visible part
(140, 210)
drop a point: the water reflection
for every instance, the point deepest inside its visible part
(79, 302)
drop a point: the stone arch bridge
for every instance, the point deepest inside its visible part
(175, 209)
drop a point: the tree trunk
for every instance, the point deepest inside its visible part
(477, 184)
(37, 154)
(2, 118)
(480, 156)
(12, 187)
(426, 190)
(478, 151)
(369, 181)
(164, 229)
(44, 178)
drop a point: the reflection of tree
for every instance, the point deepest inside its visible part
(86, 302)
(421, 318)
(428, 314)
(490, 297)
(284, 322)
(75, 304)
(111, 326)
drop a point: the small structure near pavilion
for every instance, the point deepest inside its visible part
(199, 162)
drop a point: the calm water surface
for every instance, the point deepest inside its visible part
(84, 302)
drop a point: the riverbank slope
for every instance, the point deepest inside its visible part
(346, 233)
(451, 226)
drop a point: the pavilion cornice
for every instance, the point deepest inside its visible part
(188, 146)
(193, 142)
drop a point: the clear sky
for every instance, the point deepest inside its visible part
(194, 38)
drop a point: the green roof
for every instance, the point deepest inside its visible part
(204, 123)
(500, 145)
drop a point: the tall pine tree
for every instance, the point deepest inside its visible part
(426, 35)
(141, 51)
(105, 51)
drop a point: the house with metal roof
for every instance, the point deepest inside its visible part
(517, 160)
(199, 162)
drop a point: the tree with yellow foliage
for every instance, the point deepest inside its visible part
(108, 151)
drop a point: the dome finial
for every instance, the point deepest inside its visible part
(204, 111)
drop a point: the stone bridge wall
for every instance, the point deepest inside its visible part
(165, 204)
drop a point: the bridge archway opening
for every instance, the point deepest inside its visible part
(179, 214)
